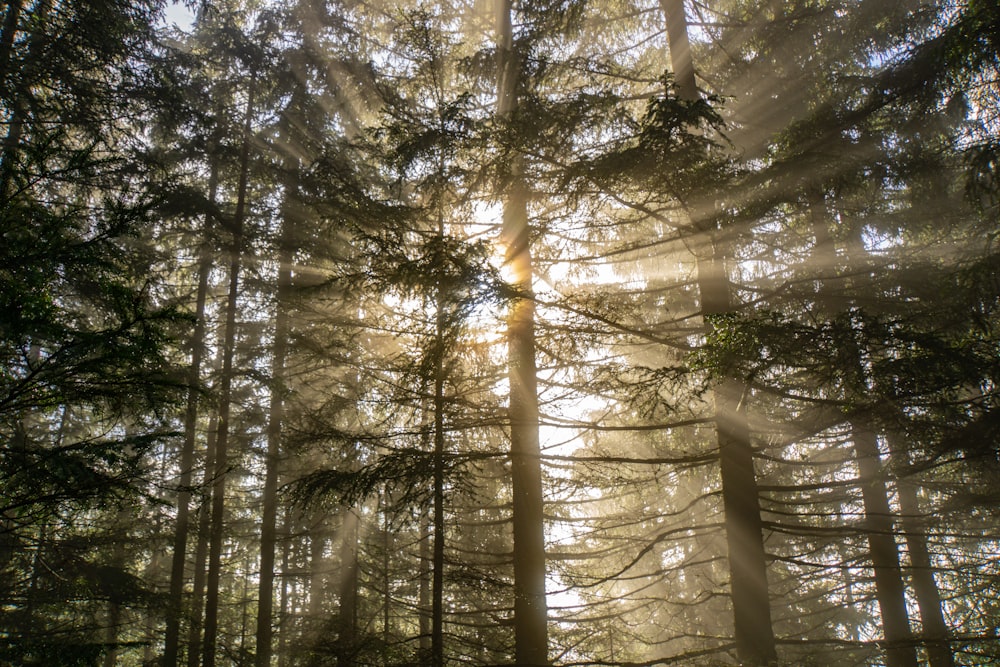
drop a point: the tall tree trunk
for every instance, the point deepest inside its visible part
(755, 644)
(935, 630)
(197, 609)
(884, 554)
(279, 350)
(879, 521)
(437, 584)
(18, 101)
(386, 565)
(222, 439)
(317, 567)
(530, 605)
(11, 21)
(181, 527)
(348, 589)
(879, 531)
(286, 529)
(754, 635)
(118, 560)
(424, 589)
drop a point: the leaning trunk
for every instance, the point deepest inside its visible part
(879, 522)
(884, 554)
(935, 630)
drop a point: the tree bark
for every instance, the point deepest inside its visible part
(347, 616)
(424, 590)
(11, 20)
(530, 605)
(755, 644)
(885, 556)
(181, 528)
(935, 630)
(222, 439)
(286, 530)
(437, 584)
(197, 610)
(317, 566)
(387, 544)
(879, 521)
(279, 350)
(18, 101)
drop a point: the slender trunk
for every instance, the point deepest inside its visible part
(222, 440)
(111, 634)
(283, 604)
(879, 524)
(11, 20)
(681, 59)
(884, 554)
(201, 550)
(755, 644)
(437, 584)
(347, 616)
(152, 616)
(530, 605)
(754, 635)
(424, 589)
(279, 349)
(181, 528)
(19, 94)
(244, 611)
(935, 630)
(114, 607)
(845, 574)
(386, 562)
(317, 567)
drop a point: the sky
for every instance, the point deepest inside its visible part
(177, 14)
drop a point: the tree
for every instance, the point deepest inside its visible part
(89, 367)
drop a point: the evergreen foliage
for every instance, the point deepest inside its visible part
(526, 332)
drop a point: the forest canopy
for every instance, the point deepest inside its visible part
(499, 332)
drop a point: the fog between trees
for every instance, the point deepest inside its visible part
(499, 333)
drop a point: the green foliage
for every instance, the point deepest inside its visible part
(57, 653)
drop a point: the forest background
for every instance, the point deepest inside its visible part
(535, 332)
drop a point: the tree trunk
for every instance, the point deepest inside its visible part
(222, 439)
(879, 529)
(11, 20)
(279, 350)
(201, 550)
(347, 616)
(175, 601)
(118, 560)
(386, 565)
(424, 590)
(18, 101)
(755, 644)
(283, 633)
(530, 606)
(317, 567)
(935, 630)
(754, 635)
(437, 584)
(882, 545)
